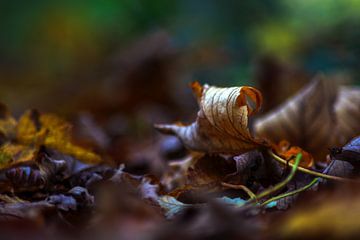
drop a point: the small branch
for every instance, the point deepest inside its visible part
(308, 171)
(314, 181)
(242, 187)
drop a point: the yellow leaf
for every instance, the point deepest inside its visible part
(53, 132)
(7, 122)
(334, 215)
(14, 154)
(222, 121)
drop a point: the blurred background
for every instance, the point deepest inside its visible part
(130, 61)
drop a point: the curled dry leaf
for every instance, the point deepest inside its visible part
(222, 121)
(307, 120)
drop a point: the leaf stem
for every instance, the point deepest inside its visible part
(308, 171)
(314, 181)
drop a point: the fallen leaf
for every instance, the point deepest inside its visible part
(345, 161)
(38, 129)
(12, 155)
(307, 120)
(350, 152)
(347, 110)
(222, 121)
(330, 215)
(7, 123)
(288, 152)
(209, 171)
(171, 205)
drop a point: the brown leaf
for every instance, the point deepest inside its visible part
(288, 152)
(222, 121)
(347, 110)
(307, 120)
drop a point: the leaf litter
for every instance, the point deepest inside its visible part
(218, 177)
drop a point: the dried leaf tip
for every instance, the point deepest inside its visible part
(221, 125)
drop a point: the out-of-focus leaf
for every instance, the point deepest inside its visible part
(347, 110)
(63, 202)
(307, 120)
(339, 168)
(53, 132)
(222, 121)
(288, 152)
(209, 171)
(350, 152)
(345, 160)
(7, 123)
(254, 169)
(15, 154)
(171, 205)
(24, 210)
(25, 178)
(334, 216)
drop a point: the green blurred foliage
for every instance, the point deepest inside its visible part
(45, 41)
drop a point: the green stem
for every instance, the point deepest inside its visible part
(308, 171)
(315, 180)
(283, 183)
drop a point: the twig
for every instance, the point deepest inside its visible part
(315, 180)
(242, 187)
(308, 171)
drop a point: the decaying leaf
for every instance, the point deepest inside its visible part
(49, 130)
(288, 152)
(306, 120)
(15, 154)
(222, 121)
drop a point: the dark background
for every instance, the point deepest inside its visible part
(134, 56)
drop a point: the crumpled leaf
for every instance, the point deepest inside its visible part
(309, 119)
(38, 129)
(221, 125)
